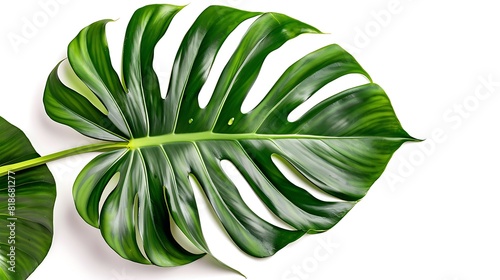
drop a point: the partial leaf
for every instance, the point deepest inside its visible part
(27, 202)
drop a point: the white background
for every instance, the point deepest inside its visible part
(432, 215)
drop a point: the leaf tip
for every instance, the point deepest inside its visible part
(417, 140)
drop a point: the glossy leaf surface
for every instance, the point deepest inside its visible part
(341, 145)
(27, 202)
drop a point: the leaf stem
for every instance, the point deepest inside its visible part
(98, 147)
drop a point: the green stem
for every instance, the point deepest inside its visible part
(99, 147)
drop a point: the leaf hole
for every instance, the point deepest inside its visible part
(249, 197)
(227, 49)
(115, 32)
(343, 83)
(277, 62)
(71, 80)
(296, 178)
(110, 186)
(138, 231)
(167, 47)
(212, 227)
(181, 238)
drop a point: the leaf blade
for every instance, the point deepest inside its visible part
(341, 145)
(147, 26)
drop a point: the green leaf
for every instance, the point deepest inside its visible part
(341, 145)
(27, 202)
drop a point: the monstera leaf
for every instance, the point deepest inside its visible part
(27, 202)
(157, 143)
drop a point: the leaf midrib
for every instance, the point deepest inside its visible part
(161, 140)
(211, 136)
